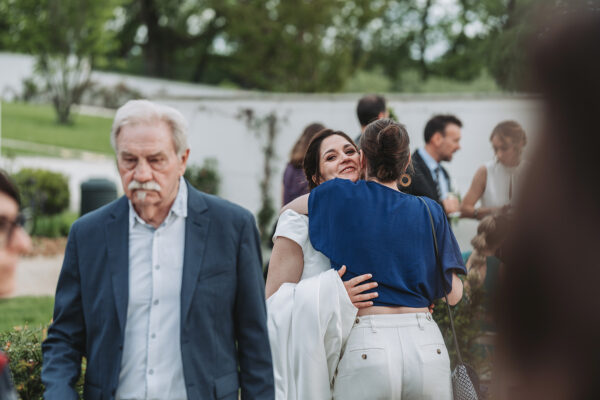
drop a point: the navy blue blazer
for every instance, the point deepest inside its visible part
(224, 342)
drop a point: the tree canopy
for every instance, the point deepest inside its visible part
(291, 45)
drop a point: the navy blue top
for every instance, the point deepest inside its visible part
(371, 228)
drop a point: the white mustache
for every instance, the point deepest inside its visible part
(150, 185)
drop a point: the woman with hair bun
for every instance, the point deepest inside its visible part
(494, 182)
(394, 350)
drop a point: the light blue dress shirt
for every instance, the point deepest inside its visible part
(436, 171)
(151, 367)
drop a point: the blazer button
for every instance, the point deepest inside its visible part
(364, 356)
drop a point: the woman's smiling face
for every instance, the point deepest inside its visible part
(338, 159)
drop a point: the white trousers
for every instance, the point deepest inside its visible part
(394, 356)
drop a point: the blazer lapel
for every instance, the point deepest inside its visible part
(423, 169)
(196, 234)
(117, 240)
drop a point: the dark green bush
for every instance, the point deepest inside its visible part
(23, 346)
(44, 192)
(205, 178)
(53, 226)
(468, 316)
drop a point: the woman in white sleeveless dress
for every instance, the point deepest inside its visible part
(495, 182)
(310, 310)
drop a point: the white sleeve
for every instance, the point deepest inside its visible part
(293, 226)
(309, 323)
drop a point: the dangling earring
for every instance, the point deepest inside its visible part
(405, 180)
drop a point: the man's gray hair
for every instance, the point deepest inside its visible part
(144, 111)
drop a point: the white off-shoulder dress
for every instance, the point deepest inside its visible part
(309, 321)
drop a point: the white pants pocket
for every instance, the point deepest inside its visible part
(362, 374)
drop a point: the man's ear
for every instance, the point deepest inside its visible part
(436, 138)
(184, 158)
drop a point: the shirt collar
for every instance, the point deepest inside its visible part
(179, 207)
(429, 161)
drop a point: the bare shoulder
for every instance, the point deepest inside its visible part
(480, 177)
(299, 205)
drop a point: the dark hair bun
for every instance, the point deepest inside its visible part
(386, 147)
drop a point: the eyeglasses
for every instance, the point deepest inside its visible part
(9, 226)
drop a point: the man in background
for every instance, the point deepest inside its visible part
(442, 139)
(370, 108)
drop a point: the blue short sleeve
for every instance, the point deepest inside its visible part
(450, 254)
(372, 228)
(327, 215)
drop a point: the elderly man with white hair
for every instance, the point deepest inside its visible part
(161, 290)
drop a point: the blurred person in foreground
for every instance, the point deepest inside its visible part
(547, 307)
(161, 290)
(495, 182)
(429, 178)
(294, 180)
(370, 108)
(14, 242)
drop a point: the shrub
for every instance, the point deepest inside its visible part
(53, 226)
(468, 315)
(205, 178)
(23, 346)
(44, 192)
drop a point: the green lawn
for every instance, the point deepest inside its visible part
(37, 123)
(31, 311)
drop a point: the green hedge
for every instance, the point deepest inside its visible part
(53, 226)
(468, 316)
(23, 346)
(205, 178)
(44, 192)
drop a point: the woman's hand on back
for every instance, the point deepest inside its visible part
(355, 289)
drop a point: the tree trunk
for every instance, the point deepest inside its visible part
(423, 41)
(154, 51)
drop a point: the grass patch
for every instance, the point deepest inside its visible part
(9, 152)
(37, 123)
(26, 310)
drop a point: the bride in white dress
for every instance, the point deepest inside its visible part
(310, 309)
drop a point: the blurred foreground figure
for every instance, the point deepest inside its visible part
(14, 242)
(161, 290)
(548, 303)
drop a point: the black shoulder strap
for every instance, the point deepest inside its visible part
(439, 264)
